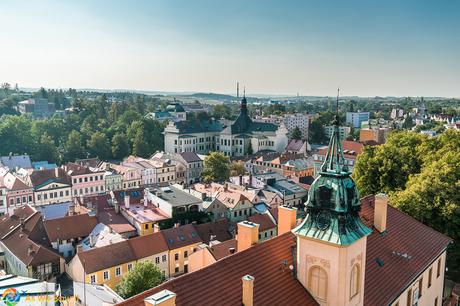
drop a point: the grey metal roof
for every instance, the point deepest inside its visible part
(13, 161)
(177, 197)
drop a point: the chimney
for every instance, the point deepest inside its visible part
(71, 210)
(248, 235)
(79, 248)
(248, 290)
(380, 212)
(91, 240)
(176, 225)
(30, 249)
(162, 298)
(240, 180)
(127, 201)
(287, 218)
(56, 171)
(22, 224)
(117, 206)
(146, 199)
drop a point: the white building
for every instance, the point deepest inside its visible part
(356, 118)
(344, 131)
(291, 121)
(234, 138)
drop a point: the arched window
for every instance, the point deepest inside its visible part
(354, 281)
(317, 283)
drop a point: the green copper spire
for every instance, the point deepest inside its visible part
(333, 200)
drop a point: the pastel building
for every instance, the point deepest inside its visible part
(86, 181)
(356, 118)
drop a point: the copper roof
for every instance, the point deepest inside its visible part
(69, 227)
(220, 283)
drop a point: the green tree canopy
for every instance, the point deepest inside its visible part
(46, 150)
(73, 147)
(216, 167)
(99, 145)
(296, 133)
(120, 146)
(237, 168)
(143, 276)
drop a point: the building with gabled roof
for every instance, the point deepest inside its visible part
(51, 186)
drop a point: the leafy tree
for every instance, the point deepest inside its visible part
(222, 111)
(296, 133)
(143, 276)
(216, 167)
(46, 150)
(73, 147)
(99, 145)
(316, 133)
(120, 146)
(250, 149)
(140, 145)
(237, 168)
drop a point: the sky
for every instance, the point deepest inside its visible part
(367, 48)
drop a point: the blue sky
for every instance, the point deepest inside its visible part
(367, 48)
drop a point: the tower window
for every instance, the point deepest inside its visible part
(317, 283)
(354, 281)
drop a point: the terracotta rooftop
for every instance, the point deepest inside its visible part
(230, 198)
(222, 250)
(295, 145)
(264, 221)
(78, 169)
(220, 283)
(404, 235)
(350, 149)
(41, 177)
(221, 229)
(123, 252)
(69, 227)
(190, 157)
(178, 237)
(8, 223)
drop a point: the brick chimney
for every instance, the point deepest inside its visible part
(380, 212)
(127, 201)
(287, 218)
(248, 235)
(22, 224)
(248, 290)
(162, 298)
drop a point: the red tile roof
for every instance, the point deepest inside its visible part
(221, 229)
(222, 250)
(122, 252)
(178, 237)
(264, 221)
(69, 227)
(8, 223)
(40, 177)
(348, 145)
(220, 283)
(404, 235)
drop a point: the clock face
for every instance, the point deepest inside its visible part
(323, 220)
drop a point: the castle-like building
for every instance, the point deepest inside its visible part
(234, 138)
(347, 251)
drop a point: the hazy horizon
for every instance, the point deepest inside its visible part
(368, 48)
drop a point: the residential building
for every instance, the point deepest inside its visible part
(189, 165)
(235, 138)
(267, 226)
(374, 135)
(86, 181)
(51, 186)
(38, 107)
(175, 202)
(181, 241)
(138, 209)
(285, 164)
(174, 112)
(356, 118)
(100, 236)
(397, 113)
(343, 252)
(27, 250)
(16, 193)
(351, 149)
(298, 147)
(113, 181)
(343, 130)
(66, 232)
(15, 162)
(95, 295)
(3, 200)
(131, 177)
(94, 266)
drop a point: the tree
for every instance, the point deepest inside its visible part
(143, 276)
(140, 145)
(216, 167)
(316, 133)
(250, 150)
(99, 145)
(120, 146)
(222, 111)
(46, 150)
(237, 168)
(73, 147)
(296, 133)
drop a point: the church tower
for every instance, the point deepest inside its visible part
(331, 240)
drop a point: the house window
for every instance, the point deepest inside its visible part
(157, 260)
(438, 273)
(106, 275)
(176, 256)
(176, 270)
(93, 279)
(185, 254)
(420, 287)
(430, 277)
(317, 283)
(130, 267)
(354, 281)
(163, 258)
(147, 226)
(117, 271)
(409, 297)
(185, 268)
